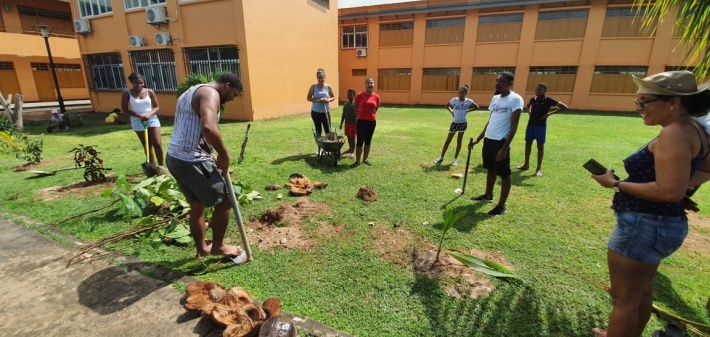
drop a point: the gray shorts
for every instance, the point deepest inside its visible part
(198, 180)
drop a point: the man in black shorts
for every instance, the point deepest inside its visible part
(197, 171)
(505, 108)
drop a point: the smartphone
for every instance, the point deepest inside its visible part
(595, 168)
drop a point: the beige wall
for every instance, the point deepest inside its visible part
(279, 48)
(655, 52)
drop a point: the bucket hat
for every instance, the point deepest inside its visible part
(670, 83)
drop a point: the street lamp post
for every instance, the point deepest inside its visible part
(43, 31)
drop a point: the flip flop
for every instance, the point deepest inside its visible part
(673, 330)
(239, 259)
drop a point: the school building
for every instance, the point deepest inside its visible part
(275, 46)
(421, 52)
(24, 62)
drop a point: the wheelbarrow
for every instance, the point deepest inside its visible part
(329, 149)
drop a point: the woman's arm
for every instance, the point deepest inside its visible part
(309, 96)
(331, 94)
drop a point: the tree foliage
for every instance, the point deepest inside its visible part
(693, 20)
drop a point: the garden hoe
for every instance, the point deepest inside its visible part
(235, 204)
(468, 160)
(148, 168)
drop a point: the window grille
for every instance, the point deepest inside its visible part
(675, 68)
(43, 13)
(563, 15)
(210, 60)
(359, 72)
(493, 70)
(553, 70)
(7, 66)
(397, 26)
(104, 72)
(353, 37)
(89, 8)
(39, 66)
(131, 4)
(638, 71)
(624, 12)
(446, 23)
(158, 68)
(486, 20)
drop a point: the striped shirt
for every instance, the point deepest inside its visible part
(187, 142)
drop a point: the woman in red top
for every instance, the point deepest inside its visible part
(366, 104)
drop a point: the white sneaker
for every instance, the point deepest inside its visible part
(455, 162)
(438, 160)
(539, 173)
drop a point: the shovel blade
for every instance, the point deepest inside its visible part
(149, 169)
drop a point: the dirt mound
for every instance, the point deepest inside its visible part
(281, 225)
(401, 247)
(83, 189)
(367, 194)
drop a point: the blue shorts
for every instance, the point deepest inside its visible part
(137, 124)
(536, 132)
(647, 238)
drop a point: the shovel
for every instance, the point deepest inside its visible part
(235, 202)
(468, 160)
(149, 169)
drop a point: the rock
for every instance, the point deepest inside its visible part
(371, 224)
(282, 241)
(425, 223)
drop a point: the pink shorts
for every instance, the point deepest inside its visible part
(351, 129)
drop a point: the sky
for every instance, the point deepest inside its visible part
(363, 3)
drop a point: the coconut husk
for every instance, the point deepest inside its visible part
(300, 185)
(199, 295)
(367, 194)
(272, 307)
(237, 297)
(244, 327)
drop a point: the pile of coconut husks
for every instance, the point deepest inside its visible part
(236, 310)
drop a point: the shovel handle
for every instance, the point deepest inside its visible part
(237, 214)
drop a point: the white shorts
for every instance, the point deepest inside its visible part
(137, 124)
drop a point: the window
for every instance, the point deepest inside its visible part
(625, 22)
(558, 79)
(444, 31)
(615, 79)
(7, 66)
(68, 75)
(484, 79)
(561, 25)
(210, 60)
(441, 79)
(323, 3)
(500, 28)
(353, 37)
(396, 34)
(394, 79)
(60, 23)
(130, 4)
(89, 8)
(158, 68)
(359, 72)
(104, 72)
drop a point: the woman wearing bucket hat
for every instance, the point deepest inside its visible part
(650, 218)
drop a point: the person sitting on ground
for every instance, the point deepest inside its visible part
(197, 171)
(57, 120)
(539, 108)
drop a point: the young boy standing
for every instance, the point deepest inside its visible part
(350, 123)
(539, 108)
(505, 108)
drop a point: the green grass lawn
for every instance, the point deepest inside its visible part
(554, 235)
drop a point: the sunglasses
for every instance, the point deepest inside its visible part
(642, 104)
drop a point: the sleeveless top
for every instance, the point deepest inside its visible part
(318, 93)
(140, 106)
(641, 169)
(187, 142)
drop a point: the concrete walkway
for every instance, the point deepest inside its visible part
(39, 296)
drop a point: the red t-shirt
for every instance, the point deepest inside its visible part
(367, 105)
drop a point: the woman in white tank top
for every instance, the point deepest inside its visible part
(142, 105)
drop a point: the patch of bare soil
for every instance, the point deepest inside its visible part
(698, 239)
(81, 189)
(281, 225)
(401, 247)
(367, 194)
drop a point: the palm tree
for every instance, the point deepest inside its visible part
(693, 20)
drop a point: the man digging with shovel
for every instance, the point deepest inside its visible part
(196, 169)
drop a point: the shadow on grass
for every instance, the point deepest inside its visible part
(512, 309)
(665, 295)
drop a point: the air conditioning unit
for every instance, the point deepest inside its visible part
(361, 52)
(82, 26)
(156, 14)
(163, 39)
(136, 41)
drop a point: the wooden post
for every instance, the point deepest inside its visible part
(6, 107)
(18, 111)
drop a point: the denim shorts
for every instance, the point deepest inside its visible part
(647, 238)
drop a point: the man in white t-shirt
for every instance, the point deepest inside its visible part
(506, 107)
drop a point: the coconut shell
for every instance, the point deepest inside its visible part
(198, 295)
(272, 307)
(224, 315)
(253, 311)
(237, 297)
(279, 326)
